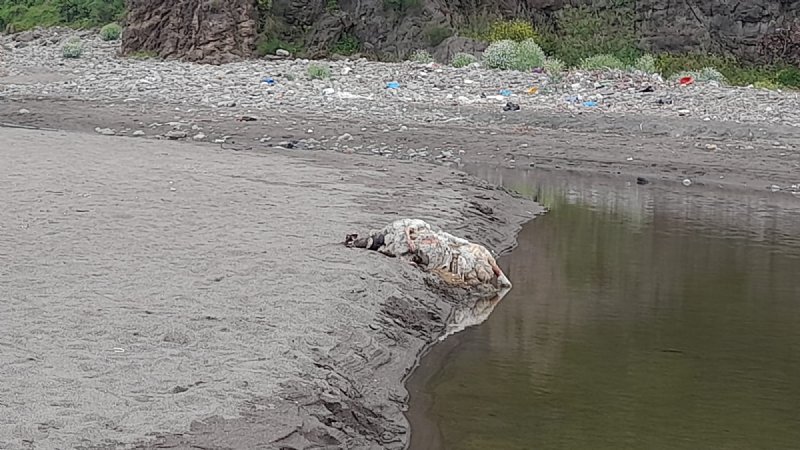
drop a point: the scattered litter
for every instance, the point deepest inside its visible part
(685, 81)
(393, 85)
(687, 182)
(774, 188)
(664, 101)
(511, 107)
(573, 99)
(505, 92)
(629, 158)
(269, 81)
(532, 90)
(648, 89)
(590, 104)
(119, 350)
(642, 180)
(328, 91)
(247, 119)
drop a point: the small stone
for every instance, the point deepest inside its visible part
(282, 53)
(328, 91)
(711, 147)
(138, 133)
(175, 134)
(345, 137)
(774, 188)
(105, 131)
(199, 137)
(24, 111)
(226, 104)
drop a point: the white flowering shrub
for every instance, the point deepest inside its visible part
(421, 56)
(73, 48)
(553, 66)
(110, 32)
(501, 55)
(529, 55)
(710, 74)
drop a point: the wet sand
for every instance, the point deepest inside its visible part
(174, 294)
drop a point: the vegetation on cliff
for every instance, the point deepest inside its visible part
(571, 37)
(20, 15)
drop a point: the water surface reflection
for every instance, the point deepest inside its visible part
(640, 318)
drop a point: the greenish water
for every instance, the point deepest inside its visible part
(641, 318)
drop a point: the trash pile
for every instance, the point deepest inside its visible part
(360, 88)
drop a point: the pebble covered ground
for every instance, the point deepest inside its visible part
(359, 88)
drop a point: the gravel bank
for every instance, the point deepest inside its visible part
(642, 126)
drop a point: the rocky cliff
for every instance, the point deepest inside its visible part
(752, 30)
(206, 31)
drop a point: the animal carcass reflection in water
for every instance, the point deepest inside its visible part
(453, 258)
(472, 313)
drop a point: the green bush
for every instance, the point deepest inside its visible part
(316, 72)
(529, 55)
(513, 30)
(462, 60)
(646, 63)
(602, 62)
(420, 56)
(501, 55)
(346, 45)
(21, 15)
(73, 48)
(789, 77)
(111, 32)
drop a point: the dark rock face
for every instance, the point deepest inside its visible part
(205, 31)
(217, 31)
(734, 27)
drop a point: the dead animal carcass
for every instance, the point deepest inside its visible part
(453, 258)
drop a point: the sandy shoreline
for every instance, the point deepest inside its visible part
(174, 268)
(167, 293)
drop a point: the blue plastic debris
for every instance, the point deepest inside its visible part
(268, 81)
(393, 85)
(505, 92)
(590, 104)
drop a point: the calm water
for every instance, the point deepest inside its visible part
(641, 318)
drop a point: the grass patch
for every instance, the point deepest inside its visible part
(316, 72)
(269, 45)
(460, 60)
(735, 73)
